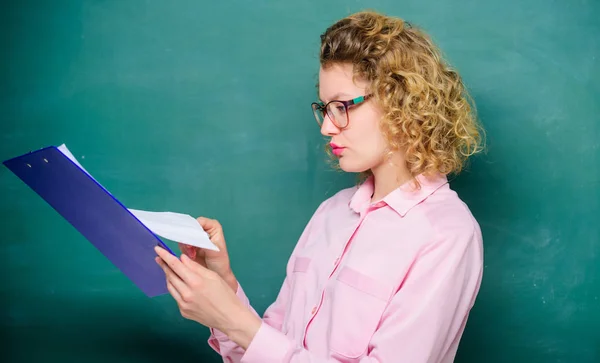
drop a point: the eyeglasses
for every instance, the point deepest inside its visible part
(336, 110)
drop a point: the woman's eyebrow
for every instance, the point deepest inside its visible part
(336, 96)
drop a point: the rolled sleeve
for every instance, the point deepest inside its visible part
(268, 346)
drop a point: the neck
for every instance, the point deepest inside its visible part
(389, 176)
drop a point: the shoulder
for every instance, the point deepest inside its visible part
(334, 206)
(452, 243)
(450, 220)
(342, 197)
(331, 206)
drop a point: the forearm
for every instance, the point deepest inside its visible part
(243, 327)
(236, 338)
(220, 339)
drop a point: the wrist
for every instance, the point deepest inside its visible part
(244, 328)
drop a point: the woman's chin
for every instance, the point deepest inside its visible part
(351, 167)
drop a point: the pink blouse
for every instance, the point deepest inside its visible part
(392, 281)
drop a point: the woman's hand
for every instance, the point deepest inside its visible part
(217, 261)
(203, 296)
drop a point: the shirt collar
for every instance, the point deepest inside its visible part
(402, 199)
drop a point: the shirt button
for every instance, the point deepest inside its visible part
(314, 310)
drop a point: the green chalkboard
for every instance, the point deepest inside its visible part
(204, 108)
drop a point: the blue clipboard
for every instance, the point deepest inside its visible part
(95, 213)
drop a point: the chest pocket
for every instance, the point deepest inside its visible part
(300, 281)
(358, 303)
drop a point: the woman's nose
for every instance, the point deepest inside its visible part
(328, 128)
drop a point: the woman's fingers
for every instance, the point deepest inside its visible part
(177, 288)
(194, 266)
(194, 253)
(208, 223)
(173, 291)
(211, 226)
(188, 250)
(215, 232)
(174, 264)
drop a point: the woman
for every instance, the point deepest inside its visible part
(386, 271)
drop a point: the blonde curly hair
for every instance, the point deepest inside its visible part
(427, 110)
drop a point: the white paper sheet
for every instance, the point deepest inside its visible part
(177, 227)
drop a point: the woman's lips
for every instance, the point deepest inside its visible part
(336, 149)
